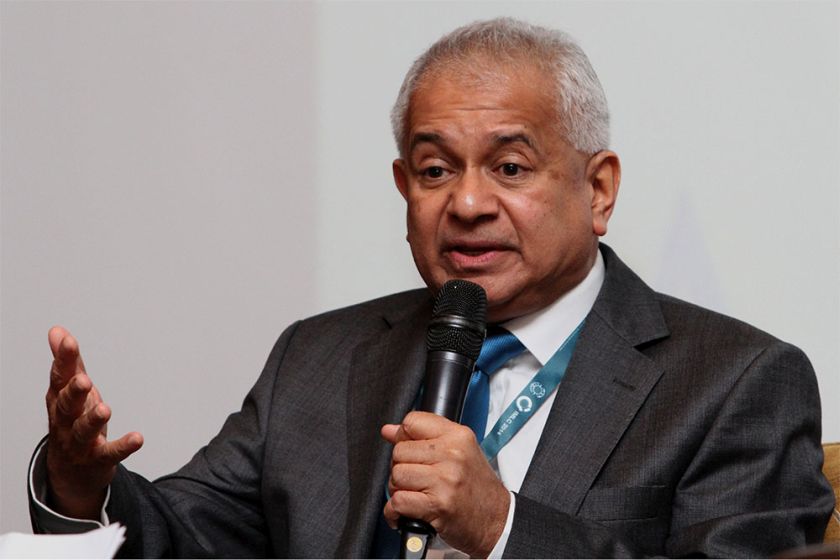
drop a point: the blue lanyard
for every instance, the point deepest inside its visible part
(530, 398)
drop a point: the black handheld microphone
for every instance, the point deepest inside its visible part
(453, 342)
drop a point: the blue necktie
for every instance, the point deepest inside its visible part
(499, 347)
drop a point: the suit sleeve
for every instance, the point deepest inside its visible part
(211, 507)
(754, 487)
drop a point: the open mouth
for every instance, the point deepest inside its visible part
(472, 252)
(471, 256)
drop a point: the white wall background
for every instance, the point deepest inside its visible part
(182, 180)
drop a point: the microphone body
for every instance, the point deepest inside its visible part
(453, 342)
(447, 378)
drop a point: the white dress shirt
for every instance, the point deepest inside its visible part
(542, 333)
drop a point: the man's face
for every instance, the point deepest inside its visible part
(495, 195)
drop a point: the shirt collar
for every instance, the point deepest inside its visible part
(544, 331)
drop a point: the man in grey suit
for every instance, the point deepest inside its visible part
(674, 431)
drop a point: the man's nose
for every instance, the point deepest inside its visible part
(473, 197)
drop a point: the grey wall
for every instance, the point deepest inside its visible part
(182, 180)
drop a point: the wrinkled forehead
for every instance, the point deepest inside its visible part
(514, 84)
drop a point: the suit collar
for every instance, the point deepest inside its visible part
(627, 305)
(607, 381)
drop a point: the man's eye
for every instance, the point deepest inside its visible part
(433, 172)
(511, 169)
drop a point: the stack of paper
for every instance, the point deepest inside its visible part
(99, 543)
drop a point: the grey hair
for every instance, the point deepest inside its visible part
(581, 104)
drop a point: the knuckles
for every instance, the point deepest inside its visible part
(409, 426)
(416, 504)
(463, 435)
(401, 476)
(424, 425)
(398, 501)
(453, 476)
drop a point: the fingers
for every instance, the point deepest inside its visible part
(78, 417)
(72, 394)
(71, 400)
(411, 477)
(414, 505)
(426, 465)
(81, 462)
(79, 473)
(113, 452)
(67, 361)
(55, 335)
(421, 426)
(84, 431)
(427, 438)
(425, 452)
(438, 484)
(440, 475)
(89, 426)
(88, 447)
(463, 500)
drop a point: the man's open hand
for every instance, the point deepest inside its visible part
(80, 460)
(440, 475)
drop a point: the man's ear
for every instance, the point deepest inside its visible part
(603, 172)
(400, 176)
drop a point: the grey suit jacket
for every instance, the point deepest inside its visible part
(676, 432)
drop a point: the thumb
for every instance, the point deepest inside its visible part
(389, 432)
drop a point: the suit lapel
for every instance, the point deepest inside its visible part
(606, 383)
(385, 375)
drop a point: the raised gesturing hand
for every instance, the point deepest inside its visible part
(80, 460)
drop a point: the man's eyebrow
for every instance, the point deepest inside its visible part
(499, 140)
(504, 139)
(423, 137)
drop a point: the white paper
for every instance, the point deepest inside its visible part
(99, 543)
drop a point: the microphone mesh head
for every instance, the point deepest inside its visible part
(458, 319)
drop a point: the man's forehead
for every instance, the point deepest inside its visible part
(490, 102)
